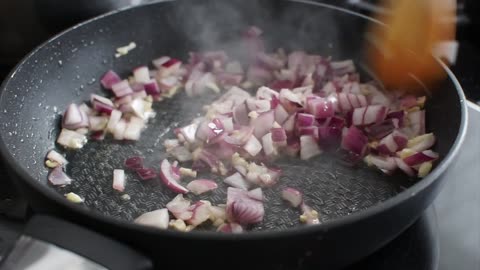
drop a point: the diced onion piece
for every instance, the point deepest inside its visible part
(160, 61)
(200, 213)
(422, 142)
(58, 178)
(152, 88)
(382, 163)
(267, 145)
(146, 173)
(56, 157)
(230, 228)
(279, 136)
(71, 139)
(256, 194)
(355, 141)
(243, 209)
(134, 128)
(158, 219)
(320, 107)
(293, 196)
(141, 74)
(119, 129)
(169, 179)
(179, 207)
(122, 88)
(97, 123)
(101, 104)
(74, 118)
(134, 162)
(281, 115)
(181, 153)
(200, 186)
(420, 157)
(119, 180)
(308, 147)
(253, 146)
(404, 167)
(236, 180)
(109, 78)
(115, 117)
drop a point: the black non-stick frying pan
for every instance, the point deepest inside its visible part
(361, 209)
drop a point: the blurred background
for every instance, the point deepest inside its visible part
(24, 24)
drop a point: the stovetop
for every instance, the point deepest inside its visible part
(446, 236)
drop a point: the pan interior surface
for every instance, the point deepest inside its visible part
(68, 68)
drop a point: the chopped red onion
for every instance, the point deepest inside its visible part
(243, 209)
(355, 141)
(320, 107)
(230, 228)
(146, 173)
(119, 129)
(200, 186)
(141, 74)
(263, 123)
(279, 136)
(101, 104)
(422, 142)
(383, 163)
(420, 157)
(56, 157)
(404, 167)
(289, 124)
(135, 162)
(71, 139)
(256, 194)
(369, 115)
(158, 219)
(236, 180)
(179, 207)
(308, 147)
(267, 145)
(253, 146)
(240, 114)
(189, 132)
(281, 115)
(152, 87)
(169, 179)
(379, 131)
(110, 78)
(265, 93)
(122, 88)
(392, 143)
(305, 120)
(58, 178)
(293, 196)
(200, 213)
(160, 61)
(119, 180)
(115, 117)
(164, 84)
(74, 118)
(134, 128)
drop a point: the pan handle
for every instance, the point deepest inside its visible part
(50, 243)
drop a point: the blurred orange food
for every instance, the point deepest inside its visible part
(404, 48)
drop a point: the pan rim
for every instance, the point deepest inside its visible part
(418, 187)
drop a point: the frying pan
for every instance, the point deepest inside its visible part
(361, 209)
